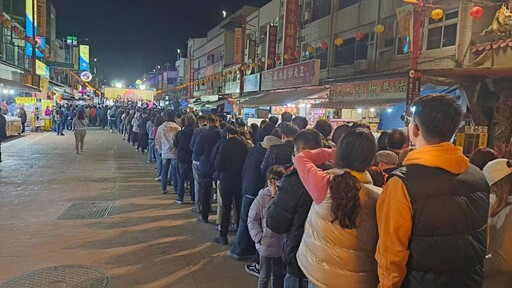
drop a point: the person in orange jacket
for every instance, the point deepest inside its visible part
(433, 211)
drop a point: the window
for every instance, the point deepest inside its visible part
(351, 51)
(322, 55)
(347, 3)
(401, 45)
(442, 33)
(321, 9)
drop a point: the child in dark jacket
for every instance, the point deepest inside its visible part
(268, 243)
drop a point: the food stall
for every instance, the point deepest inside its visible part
(13, 125)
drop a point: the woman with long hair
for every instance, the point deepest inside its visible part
(498, 263)
(80, 123)
(340, 236)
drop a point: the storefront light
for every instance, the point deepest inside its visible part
(309, 105)
(302, 105)
(289, 105)
(359, 110)
(5, 91)
(372, 109)
(390, 110)
(11, 92)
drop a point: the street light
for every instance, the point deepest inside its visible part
(119, 85)
(142, 87)
(224, 13)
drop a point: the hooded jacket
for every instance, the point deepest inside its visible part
(268, 243)
(182, 143)
(431, 217)
(164, 140)
(229, 161)
(329, 255)
(203, 148)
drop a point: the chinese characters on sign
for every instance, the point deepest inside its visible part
(368, 89)
(413, 86)
(238, 46)
(271, 45)
(295, 75)
(291, 25)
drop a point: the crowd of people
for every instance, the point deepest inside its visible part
(313, 207)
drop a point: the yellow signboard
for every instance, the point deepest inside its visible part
(25, 101)
(44, 84)
(40, 68)
(129, 94)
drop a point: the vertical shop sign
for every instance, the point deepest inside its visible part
(84, 58)
(291, 27)
(41, 17)
(271, 46)
(413, 86)
(238, 46)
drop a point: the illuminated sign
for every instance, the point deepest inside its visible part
(112, 93)
(86, 76)
(84, 58)
(40, 68)
(31, 28)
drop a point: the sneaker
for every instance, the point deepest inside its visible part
(253, 269)
(201, 220)
(240, 258)
(164, 192)
(232, 228)
(179, 201)
(217, 228)
(221, 240)
(195, 210)
(158, 178)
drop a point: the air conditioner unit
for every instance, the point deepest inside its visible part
(361, 65)
(308, 16)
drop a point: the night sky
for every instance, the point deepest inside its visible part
(130, 37)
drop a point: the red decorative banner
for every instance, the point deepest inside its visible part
(271, 46)
(238, 46)
(381, 89)
(291, 28)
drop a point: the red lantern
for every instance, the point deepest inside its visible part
(277, 58)
(261, 63)
(476, 12)
(2, 17)
(325, 45)
(359, 35)
(286, 57)
(247, 67)
(296, 54)
(15, 29)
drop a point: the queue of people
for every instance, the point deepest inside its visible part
(311, 210)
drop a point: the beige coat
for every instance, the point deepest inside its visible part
(498, 264)
(331, 256)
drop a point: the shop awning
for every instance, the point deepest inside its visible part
(10, 84)
(283, 97)
(358, 103)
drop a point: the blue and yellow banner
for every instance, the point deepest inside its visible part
(31, 28)
(84, 58)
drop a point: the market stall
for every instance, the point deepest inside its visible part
(13, 125)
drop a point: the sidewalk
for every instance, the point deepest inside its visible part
(146, 241)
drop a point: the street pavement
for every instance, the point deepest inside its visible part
(147, 241)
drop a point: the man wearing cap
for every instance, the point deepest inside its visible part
(387, 161)
(432, 213)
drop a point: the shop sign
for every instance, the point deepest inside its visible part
(44, 84)
(271, 46)
(112, 93)
(25, 100)
(86, 76)
(252, 83)
(291, 28)
(232, 87)
(380, 89)
(413, 86)
(238, 46)
(295, 75)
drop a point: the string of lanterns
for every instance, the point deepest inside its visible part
(9, 24)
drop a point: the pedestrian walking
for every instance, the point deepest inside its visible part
(427, 238)
(343, 213)
(164, 142)
(182, 143)
(22, 114)
(59, 122)
(229, 164)
(268, 243)
(80, 123)
(3, 132)
(498, 263)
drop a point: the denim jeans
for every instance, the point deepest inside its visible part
(206, 194)
(271, 268)
(243, 245)
(294, 282)
(59, 127)
(151, 150)
(184, 175)
(197, 184)
(111, 124)
(158, 163)
(166, 166)
(174, 175)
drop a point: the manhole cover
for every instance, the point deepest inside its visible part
(87, 210)
(67, 276)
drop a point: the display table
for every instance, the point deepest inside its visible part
(13, 126)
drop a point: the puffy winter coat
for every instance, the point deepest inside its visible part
(332, 256)
(268, 243)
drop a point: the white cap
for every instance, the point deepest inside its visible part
(496, 170)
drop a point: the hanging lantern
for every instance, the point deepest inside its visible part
(476, 12)
(261, 63)
(230, 72)
(277, 58)
(359, 35)
(269, 61)
(296, 54)
(325, 45)
(379, 28)
(15, 29)
(2, 17)
(287, 57)
(311, 49)
(339, 41)
(254, 65)
(437, 14)
(248, 67)
(32, 41)
(7, 23)
(20, 34)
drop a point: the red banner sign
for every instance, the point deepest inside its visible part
(295, 75)
(381, 89)
(291, 28)
(238, 46)
(271, 46)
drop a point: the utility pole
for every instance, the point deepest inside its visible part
(414, 77)
(34, 46)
